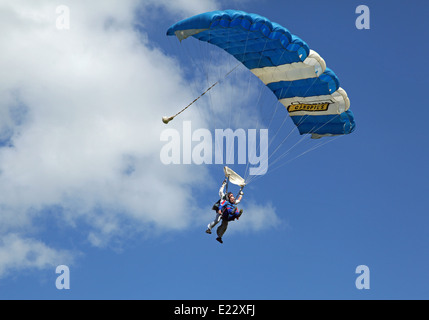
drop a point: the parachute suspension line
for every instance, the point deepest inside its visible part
(236, 116)
(318, 145)
(270, 156)
(276, 160)
(286, 138)
(291, 131)
(288, 150)
(228, 88)
(284, 120)
(261, 88)
(197, 46)
(232, 111)
(297, 126)
(280, 145)
(207, 62)
(301, 154)
(312, 148)
(273, 138)
(247, 171)
(168, 119)
(322, 143)
(275, 151)
(277, 103)
(297, 143)
(272, 117)
(258, 126)
(296, 157)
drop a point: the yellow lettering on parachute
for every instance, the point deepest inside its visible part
(308, 107)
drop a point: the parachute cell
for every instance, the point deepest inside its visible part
(296, 75)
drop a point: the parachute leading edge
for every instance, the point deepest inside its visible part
(297, 75)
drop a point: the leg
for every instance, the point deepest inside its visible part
(221, 230)
(213, 223)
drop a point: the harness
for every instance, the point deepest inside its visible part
(217, 205)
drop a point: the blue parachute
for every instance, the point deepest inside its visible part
(297, 75)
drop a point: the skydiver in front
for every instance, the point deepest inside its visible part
(226, 211)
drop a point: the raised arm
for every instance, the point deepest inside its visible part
(240, 196)
(221, 192)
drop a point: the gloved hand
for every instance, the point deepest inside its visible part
(241, 192)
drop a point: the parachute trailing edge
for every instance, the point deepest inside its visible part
(297, 75)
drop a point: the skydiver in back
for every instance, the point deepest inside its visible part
(226, 211)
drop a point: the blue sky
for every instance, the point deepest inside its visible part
(81, 182)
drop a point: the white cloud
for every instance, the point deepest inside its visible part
(257, 217)
(17, 253)
(81, 110)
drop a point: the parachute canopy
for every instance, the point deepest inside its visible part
(297, 75)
